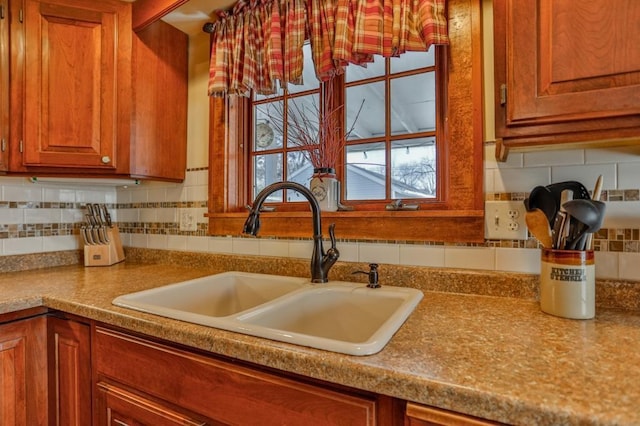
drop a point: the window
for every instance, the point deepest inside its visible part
(273, 156)
(392, 153)
(389, 111)
(447, 180)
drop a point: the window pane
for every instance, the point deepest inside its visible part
(309, 79)
(371, 122)
(413, 60)
(303, 120)
(413, 168)
(413, 104)
(372, 69)
(278, 92)
(267, 169)
(267, 135)
(299, 169)
(366, 172)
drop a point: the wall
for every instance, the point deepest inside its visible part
(40, 218)
(149, 212)
(36, 218)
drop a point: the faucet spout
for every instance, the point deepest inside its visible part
(321, 261)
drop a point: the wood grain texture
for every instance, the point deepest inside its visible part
(159, 125)
(117, 406)
(23, 363)
(571, 71)
(460, 161)
(146, 12)
(69, 372)
(17, 51)
(4, 84)
(218, 390)
(421, 415)
(77, 85)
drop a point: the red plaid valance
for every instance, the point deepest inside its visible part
(260, 41)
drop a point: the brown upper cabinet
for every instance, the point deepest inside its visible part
(146, 12)
(159, 124)
(4, 82)
(73, 107)
(77, 81)
(566, 72)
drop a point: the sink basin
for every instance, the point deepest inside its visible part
(339, 316)
(217, 295)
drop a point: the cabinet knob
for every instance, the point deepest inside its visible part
(106, 159)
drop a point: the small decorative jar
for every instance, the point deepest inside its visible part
(325, 188)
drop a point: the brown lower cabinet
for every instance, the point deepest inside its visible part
(69, 370)
(23, 363)
(56, 370)
(421, 415)
(138, 379)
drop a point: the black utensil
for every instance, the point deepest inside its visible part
(579, 191)
(589, 214)
(542, 198)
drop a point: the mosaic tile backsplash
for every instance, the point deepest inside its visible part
(37, 218)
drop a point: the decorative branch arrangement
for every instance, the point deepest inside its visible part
(316, 130)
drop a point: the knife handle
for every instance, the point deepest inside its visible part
(107, 216)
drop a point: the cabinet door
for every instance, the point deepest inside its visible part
(567, 70)
(4, 82)
(420, 415)
(159, 126)
(118, 407)
(23, 363)
(77, 84)
(226, 392)
(69, 372)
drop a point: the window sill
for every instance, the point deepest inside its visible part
(433, 226)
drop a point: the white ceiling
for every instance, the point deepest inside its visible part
(191, 16)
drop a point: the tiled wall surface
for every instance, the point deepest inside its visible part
(39, 218)
(618, 255)
(36, 218)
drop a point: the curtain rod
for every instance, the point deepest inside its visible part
(208, 27)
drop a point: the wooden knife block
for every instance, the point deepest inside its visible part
(105, 254)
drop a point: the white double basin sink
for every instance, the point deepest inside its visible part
(338, 316)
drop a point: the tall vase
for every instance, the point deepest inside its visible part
(325, 188)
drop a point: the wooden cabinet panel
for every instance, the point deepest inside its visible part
(222, 391)
(118, 407)
(566, 71)
(4, 82)
(77, 84)
(69, 372)
(66, 91)
(146, 12)
(23, 361)
(159, 126)
(421, 415)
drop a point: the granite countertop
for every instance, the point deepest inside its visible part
(493, 357)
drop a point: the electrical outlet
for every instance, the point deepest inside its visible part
(504, 220)
(187, 220)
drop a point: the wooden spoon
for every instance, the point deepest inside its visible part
(539, 227)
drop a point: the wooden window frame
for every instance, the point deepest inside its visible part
(249, 171)
(440, 70)
(460, 216)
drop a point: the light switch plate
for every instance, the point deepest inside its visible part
(505, 220)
